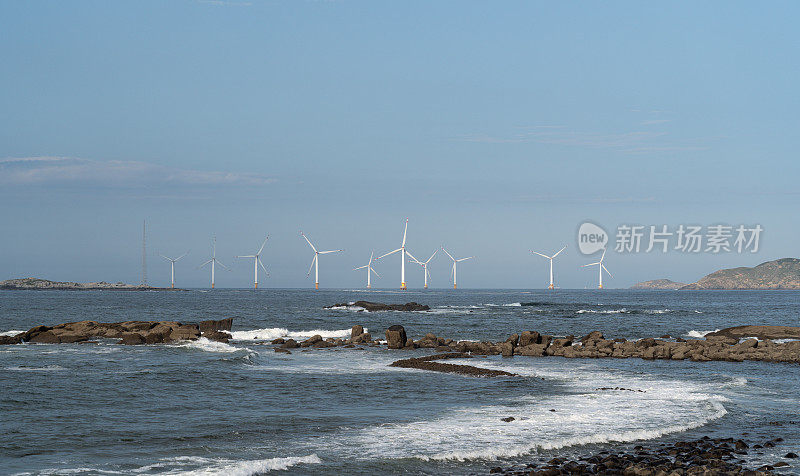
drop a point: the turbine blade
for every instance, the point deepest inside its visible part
(603, 255)
(329, 251)
(361, 267)
(168, 259)
(262, 246)
(606, 270)
(464, 259)
(245, 256)
(590, 264)
(262, 266)
(412, 257)
(559, 251)
(205, 263)
(405, 232)
(540, 254)
(309, 242)
(448, 254)
(220, 263)
(181, 256)
(389, 253)
(373, 270)
(429, 259)
(312, 265)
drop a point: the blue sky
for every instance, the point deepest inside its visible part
(495, 127)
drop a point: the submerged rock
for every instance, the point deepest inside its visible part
(379, 306)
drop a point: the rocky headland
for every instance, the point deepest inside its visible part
(777, 274)
(44, 284)
(659, 284)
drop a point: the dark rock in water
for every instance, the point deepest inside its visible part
(132, 338)
(781, 464)
(221, 325)
(311, 341)
(217, 336)
(496, 469)
(759, 332)
(278, 341)
(396, 337)
(356, 331)
(379, 306)
(508, 419)
(285, 351)
(428, 364)
(791, 455)
(290, 344)
(592, 336)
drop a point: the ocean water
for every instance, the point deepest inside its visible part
(209, 408)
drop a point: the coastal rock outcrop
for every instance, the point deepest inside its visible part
(396, 337)
(658, 284)
(45, 284)
(129, 332)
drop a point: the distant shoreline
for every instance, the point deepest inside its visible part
(36, 284)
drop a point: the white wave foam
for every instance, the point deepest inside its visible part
(609, 311)
(657, 311)
(207, 345)
(228, 467)
(513, 304)
(583, 416)
(699, 334)
(10, 333)
(348, 307)
(275, 332)
(49, 368)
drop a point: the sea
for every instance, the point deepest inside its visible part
(210, 408)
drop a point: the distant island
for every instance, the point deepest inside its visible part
(782, 273)
(44, 284)
(659, 284)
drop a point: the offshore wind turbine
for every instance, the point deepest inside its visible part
(424, 265)
(370, 270)
(214, 261)
(257, 262)
(315, 261)
(551, 263)
(601, 267)
(455, 262)
(172, 266)
(403, 252)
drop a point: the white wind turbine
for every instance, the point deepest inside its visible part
(403, 252)
(370, 270)
(424, 265)
(257, 262)
(551, 263)
(455, 262)
(601, 267)
(315, 261)
(214, 261)
(172, 266)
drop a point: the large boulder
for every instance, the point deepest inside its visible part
(356, 331)
(220, 325)
(396, 337)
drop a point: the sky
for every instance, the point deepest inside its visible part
(496, 128)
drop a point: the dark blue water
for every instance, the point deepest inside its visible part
(241, 408)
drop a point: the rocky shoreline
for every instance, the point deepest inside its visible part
(129, 332)
(36, 284)
(705, 456)
(736, 344)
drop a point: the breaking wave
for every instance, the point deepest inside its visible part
(275, 332)
(699, 334)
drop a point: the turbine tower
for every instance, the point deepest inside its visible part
(551, 263)
(214, 261)
(172, 266)
(257, 262)
(315, 261)
(424, 265)
(455, 262)
(600, 267)
(369, 270)
(403, 252)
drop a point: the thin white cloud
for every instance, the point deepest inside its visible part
(115, 173)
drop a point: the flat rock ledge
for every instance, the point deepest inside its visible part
(426, 363)
(129, 332)
(379, 306)
(705, 456)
